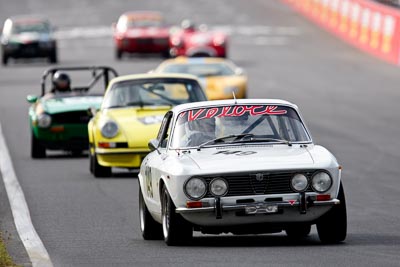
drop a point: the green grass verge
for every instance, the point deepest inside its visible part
(5, 259)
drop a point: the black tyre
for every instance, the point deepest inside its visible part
(332, 227)
(298, 231)
(91, 162)
(98, 170)
(4, 59)
(151, 230)
(166, 54)
(76, 152)
(176, 230)
(118, 54)
(53, 57)
(38, 151)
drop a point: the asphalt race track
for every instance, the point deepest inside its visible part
(349, 100)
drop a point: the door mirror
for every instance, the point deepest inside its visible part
(153, 144)
(92, 111)
(32, 98)
(239, 71)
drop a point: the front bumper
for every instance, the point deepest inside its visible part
(121, 158)
(143, 45)
(306, 209)
(30, 50)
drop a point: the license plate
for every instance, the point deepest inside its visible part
(261, 208)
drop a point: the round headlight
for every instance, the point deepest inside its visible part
(44, 120)
(321, 182)
(109, 129)
(299, 182)
(218, 187)
(195, 188)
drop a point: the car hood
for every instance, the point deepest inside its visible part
(198, 38)
(138, 125)
(222, 82)
(201, 38)
(58, 105)
(151, 32)
(239, 158)
(28, 37)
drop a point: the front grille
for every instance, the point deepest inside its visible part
(259, 183)
(78, 117)
(144, 41)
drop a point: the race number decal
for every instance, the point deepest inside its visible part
(235, 152)
(149, 182)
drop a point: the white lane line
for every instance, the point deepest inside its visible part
(22, 219)
(249, 30)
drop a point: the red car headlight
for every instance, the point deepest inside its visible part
(176, 42)
(219, 41)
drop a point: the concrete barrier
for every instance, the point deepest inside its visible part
(370, 26)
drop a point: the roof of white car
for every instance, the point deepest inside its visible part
(228, 102)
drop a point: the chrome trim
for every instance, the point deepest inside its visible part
(102, 152)
(241, 207)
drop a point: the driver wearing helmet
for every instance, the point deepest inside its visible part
(200, 131)
(61, 83)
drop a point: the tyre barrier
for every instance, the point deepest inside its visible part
(372, 27)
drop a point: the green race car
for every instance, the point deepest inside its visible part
(58, 119)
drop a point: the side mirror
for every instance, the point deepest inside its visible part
(239, 71)
(153, 144)
(32, 98)
(92, 111)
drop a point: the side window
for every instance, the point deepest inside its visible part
(165, 130)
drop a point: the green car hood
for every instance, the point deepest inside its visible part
(74, 103)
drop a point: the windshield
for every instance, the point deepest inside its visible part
(145, 22)
(153, 92)
(41, 27)
(201, 70)
(238, 124)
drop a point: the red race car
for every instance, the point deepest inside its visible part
(141, 32)
(197, 42)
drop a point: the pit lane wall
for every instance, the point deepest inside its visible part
(370, 26)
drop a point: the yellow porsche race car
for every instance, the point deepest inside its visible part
(131, 114)
(219, 77)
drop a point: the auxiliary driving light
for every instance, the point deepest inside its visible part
(299, 183)
(218, 187)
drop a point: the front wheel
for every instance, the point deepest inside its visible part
(176, 230)
(332, 227)
(38, 151)
(4, 59)
(53, 57)
(118, 53)
(151, 230)
(298, 231)
(98, 170)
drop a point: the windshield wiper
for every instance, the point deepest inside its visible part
(116, 106)
(266, 139)
(139, 103)
(236, 137)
